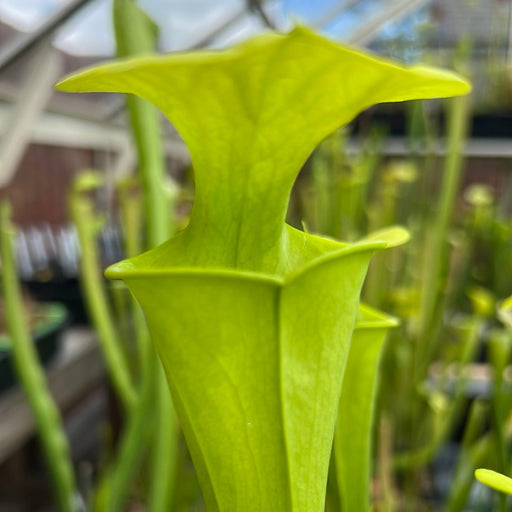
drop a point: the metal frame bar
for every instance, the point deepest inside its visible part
(474, 148)
(224, 25)
(333, 12)
(25, 42)
(257, 7)
(36, 89)
(395, 12)
(55, 129)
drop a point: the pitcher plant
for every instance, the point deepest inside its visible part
(252, 318)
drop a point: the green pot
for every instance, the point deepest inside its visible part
(48, 324)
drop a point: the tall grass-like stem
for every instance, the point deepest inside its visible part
(435, 263)
(47, 417)
(136, 33)
(86, 223)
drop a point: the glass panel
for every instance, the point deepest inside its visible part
(26, 15)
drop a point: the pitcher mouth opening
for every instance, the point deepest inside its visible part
(126, 269)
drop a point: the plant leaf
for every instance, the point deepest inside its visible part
(255, 370)
(250, 117)
(352, 441)
(505, 312)
(494, 480)
(393, 236)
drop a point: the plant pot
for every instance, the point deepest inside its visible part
(49, 323)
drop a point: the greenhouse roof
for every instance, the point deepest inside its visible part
(80, 34)
(190, 23)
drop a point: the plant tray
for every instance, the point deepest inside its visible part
(49, 323)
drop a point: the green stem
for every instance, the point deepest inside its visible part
(436, 264)
(131, 213)
(446, 419)
(116, 484)
(97, 303)
(151, 170)
(384, 466)
(31, 377)
(473, 453)
(135, 33)
(165, 448)
(499, 350)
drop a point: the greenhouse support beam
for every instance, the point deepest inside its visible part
(33, 97)
(257, 7)
(55, 129)
(392, 14)
(333, 13)
(24, 43)
(221, 27)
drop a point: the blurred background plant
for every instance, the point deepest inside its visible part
(445, 386)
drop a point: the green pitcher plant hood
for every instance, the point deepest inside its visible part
(251, 318)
